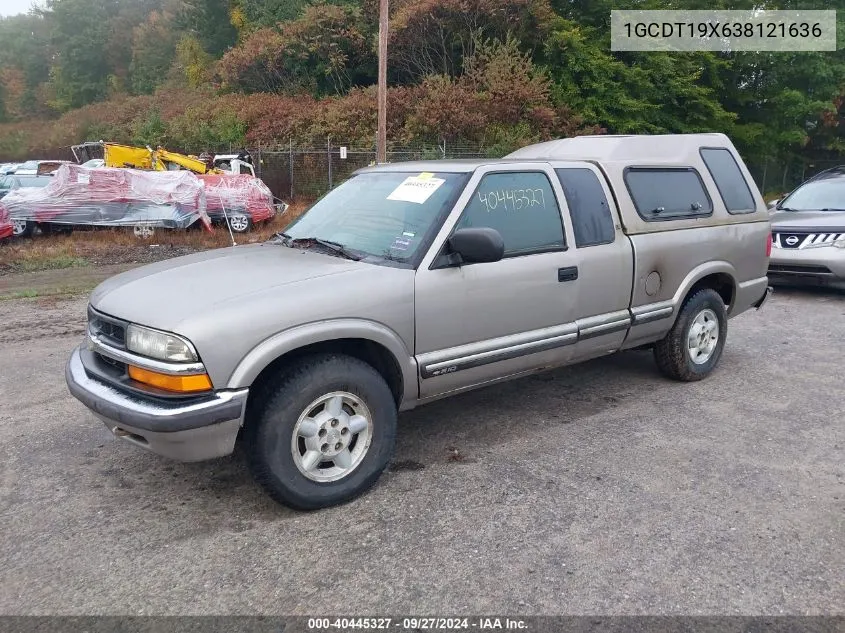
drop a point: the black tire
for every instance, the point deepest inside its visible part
(272, 418)
(672, 353)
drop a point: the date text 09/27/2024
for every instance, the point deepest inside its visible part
(416, 624)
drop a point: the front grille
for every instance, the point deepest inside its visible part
(108, 329)
(793, 269)
(797, 239)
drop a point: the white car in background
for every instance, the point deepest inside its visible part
(39, 167)
(808, 232)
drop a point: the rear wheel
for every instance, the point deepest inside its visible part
(239, 223)
(693, 347)
(322, 432)
(143, 230)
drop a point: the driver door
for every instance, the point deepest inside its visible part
(479, 322)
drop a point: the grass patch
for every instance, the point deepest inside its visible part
(35, 293)
(120, 246)
(34, 264)
(20, 294)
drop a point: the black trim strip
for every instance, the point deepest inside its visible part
(441, 368)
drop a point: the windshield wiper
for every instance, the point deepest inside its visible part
(335, 247)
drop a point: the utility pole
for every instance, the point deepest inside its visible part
(381, 150)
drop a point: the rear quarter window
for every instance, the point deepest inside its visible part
(667, 193)
(588, 207)
(729, 180)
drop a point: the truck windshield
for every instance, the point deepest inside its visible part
(825, 194)
(383, 214)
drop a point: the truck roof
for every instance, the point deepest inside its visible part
(442, 165)
(637, 148)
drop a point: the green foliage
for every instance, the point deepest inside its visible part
(149, 129)
(324, 51)
(80, 72)
(198, 128)
(193, 61)
(497, 73)
(153, 51)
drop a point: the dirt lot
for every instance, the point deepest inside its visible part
(598, 489)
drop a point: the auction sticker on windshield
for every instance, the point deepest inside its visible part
(416, 189)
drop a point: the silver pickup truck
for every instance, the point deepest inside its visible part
(415, 281)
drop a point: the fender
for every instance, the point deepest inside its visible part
(294, 338)
(700, 272)
(651, 321)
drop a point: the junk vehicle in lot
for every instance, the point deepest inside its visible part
(808, 227)
(415, 281)
(39, 167)
(22, 227)
(234, 194)
(241, 199)
(75, 195)
(7, 229)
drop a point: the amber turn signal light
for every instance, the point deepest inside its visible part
(183, 384)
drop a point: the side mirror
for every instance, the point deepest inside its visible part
(772, 204)
(477, 245)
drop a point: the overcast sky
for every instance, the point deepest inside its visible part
(13, 7)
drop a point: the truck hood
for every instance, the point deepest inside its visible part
(821, 221)
(164, 294)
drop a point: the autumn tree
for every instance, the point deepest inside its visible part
(436, 36)
(323, 51)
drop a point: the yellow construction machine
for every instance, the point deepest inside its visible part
(117, 155)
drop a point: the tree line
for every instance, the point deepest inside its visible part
(496, 73)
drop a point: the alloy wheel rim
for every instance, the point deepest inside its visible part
(18, 227)
(144, 231)
(239, 223)
(332, 436)
(703, 336)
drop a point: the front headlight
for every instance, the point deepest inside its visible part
(160, 345)
(840, 243)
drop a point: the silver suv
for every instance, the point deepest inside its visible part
(415, 281)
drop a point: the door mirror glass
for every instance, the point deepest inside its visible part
(477, 245)
(773, 204)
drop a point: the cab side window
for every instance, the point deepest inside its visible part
(522, 207)
(588, 206)
(729, 180)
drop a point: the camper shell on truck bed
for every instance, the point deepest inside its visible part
(412, 282)
(677, 246)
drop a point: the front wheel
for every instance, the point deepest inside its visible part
(322, 432)
(693, 347)
(22, 228)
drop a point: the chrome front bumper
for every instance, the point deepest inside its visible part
(187, 431)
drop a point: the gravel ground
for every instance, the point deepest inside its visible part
(596, 489)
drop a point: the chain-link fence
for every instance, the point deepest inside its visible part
(298, 172)
(306, 173)
(776, 176)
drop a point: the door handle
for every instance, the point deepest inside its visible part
(570, 273)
